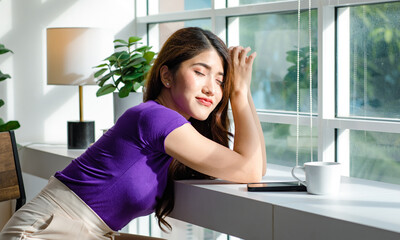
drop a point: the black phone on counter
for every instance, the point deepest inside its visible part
(276, 187)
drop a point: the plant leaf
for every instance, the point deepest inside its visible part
(125, 90)
(117, 82)
(134, 56)
(101, 65)
(142, 49)
(137, 85)
(1, 102)
(4, 76)
(291, 56)
(123, 55)
(138, 66)
(102, 80)
(100, 72)
(114, 57)
(119, 46)
(121, 41)
(106, 89)
(10, 125)
(134, 39)
(388, 35)
(133, 76)
(1, 121)
(149, 56)
(146, 68)
(137, 61)
(4, 50)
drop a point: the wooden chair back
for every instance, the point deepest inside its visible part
(11, 183)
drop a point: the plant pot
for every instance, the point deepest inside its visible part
(123, 104)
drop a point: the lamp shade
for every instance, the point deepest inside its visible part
(73, 52)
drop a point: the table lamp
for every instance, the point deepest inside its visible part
(71, 55)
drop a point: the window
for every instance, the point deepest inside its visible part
(159, 32)
(368, 89)
(280, 141)
(274, 37)
(355, 117)
(371, 36)
(355, 75)
(233, 3)
(374, 155)
(162, 6)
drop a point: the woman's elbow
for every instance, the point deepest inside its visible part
(264, 168)
(255, 175)
(255, 178)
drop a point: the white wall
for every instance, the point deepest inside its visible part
(41, 109)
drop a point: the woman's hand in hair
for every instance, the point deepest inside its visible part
(242, 67)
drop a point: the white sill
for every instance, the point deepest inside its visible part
(363, 209)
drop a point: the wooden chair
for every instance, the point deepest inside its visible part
(11, 183)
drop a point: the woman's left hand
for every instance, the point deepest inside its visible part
(242, 67)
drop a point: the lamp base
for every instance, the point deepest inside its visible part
(80, 134)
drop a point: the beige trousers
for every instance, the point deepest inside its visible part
(56, 213)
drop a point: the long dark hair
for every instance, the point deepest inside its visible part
(183, 45)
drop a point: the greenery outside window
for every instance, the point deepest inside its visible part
(368, 90)
(274, 38)
(369, 83)
(355, 87)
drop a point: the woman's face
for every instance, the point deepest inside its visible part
(196, 88)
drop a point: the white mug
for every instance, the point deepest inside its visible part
(322, 178)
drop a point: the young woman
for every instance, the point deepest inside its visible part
(179, 132)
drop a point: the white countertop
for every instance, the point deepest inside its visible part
(57, 149)
(363, 208)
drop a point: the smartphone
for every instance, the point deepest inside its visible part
(276, 187)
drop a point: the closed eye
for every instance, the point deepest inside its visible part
(199, 73)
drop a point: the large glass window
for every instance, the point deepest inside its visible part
(281, 142)
(375, 156)
(355, 75)
(159, 32)
(162, 6)
(274, 37)
(368, 66)
(232, 3)
(368, 90)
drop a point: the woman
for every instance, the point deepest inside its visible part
(129, 171)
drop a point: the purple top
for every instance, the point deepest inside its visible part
(123, 173)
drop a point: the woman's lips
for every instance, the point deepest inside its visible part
(205, 101)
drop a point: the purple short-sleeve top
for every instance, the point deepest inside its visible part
(123, 173)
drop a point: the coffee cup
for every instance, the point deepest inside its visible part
(321, 178)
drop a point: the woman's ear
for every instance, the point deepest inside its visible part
(166, 76)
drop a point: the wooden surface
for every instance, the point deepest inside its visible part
(8, 176)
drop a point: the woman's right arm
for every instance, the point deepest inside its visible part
(242, 164)
(243, 107)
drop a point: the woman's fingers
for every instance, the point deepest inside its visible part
(250, 59)
(235, 53)
(243, 54)
(239, 55)
(242, 66)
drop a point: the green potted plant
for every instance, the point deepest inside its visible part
(10, 125)
(126, 69)
(124, 73)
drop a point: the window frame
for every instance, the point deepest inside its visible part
(333, 131)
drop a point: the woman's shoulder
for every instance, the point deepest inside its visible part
(152, 111)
